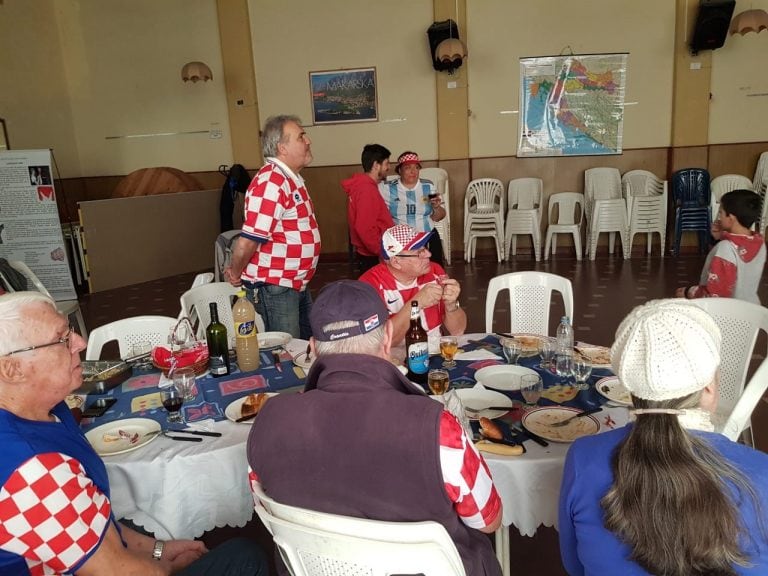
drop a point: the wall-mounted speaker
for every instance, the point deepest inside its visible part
(436, 33)
(712, 23)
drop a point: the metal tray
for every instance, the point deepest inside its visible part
(99, 376)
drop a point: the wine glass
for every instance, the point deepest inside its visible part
(438, 381)
(582, 370)
(531, 387)
(449, 345)
(564, 365)
(173, 399)
(546, 351)
(511, 349)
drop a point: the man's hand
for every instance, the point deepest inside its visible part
(430, 295)
(179, 554)
(716, 230)
(451, 291)
(680, 292)
(231, 278)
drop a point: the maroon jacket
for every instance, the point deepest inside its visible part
(367, 214)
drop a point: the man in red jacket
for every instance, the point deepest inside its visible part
(367, 212)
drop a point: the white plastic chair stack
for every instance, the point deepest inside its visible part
(606, 208)
(439, 178)
(66, 307)
(739, 322)
(524, 205)
(318, 544)
(484, 215)
(646, 198)
(570, 215)
(761, 191)
(530, 294)
(761, 171)
(130, 331)
(724, 184)
(197, 300)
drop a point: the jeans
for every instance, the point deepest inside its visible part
(283, 309)
(235, 557)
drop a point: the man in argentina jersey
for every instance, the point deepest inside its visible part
(413, 201)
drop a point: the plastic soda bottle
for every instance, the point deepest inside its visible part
(246, 341)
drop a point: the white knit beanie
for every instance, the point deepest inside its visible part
(666, 349)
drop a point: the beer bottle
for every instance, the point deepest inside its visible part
(416, 348)
(218, 344)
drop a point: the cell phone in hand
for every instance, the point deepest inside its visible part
(98, 407)
(433, 196)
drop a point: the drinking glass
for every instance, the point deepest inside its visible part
(438, 381)
(173, 399)
(582, 370)
(531, 387)
(511, 349)
(449, 345)
(546, 351)
(139, 348)
(564, 365)
(184, 380)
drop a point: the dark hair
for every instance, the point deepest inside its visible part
(745, 205)
(373, 153)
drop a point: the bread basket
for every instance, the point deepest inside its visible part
(185, 351)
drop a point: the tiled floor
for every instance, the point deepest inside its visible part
(605, 290)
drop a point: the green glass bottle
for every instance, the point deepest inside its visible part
(218, 344)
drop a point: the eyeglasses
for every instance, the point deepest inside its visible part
(63, 340)
(420, 253)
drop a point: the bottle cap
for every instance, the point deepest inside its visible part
(241, 293)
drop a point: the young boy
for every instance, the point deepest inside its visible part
(734, 266)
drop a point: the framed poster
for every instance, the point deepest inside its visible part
(341, 96)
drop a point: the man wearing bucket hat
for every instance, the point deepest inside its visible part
(407, 274)
(332, 448)
(413, 201)
(665, 495)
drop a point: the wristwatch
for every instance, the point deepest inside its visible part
(157, 551)
(456, 307)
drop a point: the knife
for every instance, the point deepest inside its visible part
(504, 335)
(198, 432)
(245, 418)
(276, 358)
(166, 433)
(519, 429)
(182, 438)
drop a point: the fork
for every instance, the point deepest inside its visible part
(579, 415)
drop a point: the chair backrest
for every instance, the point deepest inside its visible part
(525, 194)
(222, 251)
(318, 544)
(739, 323)
(727, 183)
(130, 331)
(31, 277)
(202, 278)
(439, 178)
(761, 171)
(197, 300)
(570, 208)
(530, 294)
(639, 182)
(601, 184)
(690, 187)
(484, 195)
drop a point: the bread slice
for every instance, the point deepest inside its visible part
(252, 404)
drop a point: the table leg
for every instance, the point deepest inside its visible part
(502, 549)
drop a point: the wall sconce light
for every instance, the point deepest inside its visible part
(451, 53)
(749, 21)
(196, 71)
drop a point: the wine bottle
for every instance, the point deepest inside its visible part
(218, 344)
(416, 348)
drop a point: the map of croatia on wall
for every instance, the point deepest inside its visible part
(571, 105)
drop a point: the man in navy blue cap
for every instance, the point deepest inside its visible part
(363, 441)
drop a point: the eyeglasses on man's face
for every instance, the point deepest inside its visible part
(63, 340)
(420, 253)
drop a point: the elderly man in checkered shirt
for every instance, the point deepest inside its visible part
(55, 510)
(276, 254)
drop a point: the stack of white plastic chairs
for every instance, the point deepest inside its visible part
(760, 185)
(724, 184)
(606, 208)
(484, 215)
(646, 197)
(524, 207)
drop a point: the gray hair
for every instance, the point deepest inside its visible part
(272, 134)
(11, 320)
(369, 343)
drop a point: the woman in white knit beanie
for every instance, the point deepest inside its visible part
(664, 495)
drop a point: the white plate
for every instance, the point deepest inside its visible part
(611, 388)
(297, 348)
(479, 399)
(269, 340)
(598, 356)
(539, 421)
(130, 426)
(502, 377)
(233, 411)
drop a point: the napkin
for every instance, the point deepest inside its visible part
(480, 354)
(454, 405)
(204, 425)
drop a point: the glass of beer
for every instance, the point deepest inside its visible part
(438, 381)
(449, 345)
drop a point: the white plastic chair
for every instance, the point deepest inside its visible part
(195, 301)
(318, 544)
(439, 178)
(130, 331)
(200, 280)
(222, 252)
(524, 205)
(530, 294)
(739, 322)
(66, 307)
(724, 184)
(606, 209)
(761, 171)
(570, 215)
(484, 215)
(646, 198)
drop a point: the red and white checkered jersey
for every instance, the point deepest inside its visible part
(279, 216)
(51, 514)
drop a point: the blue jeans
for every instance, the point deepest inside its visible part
(283, 309)
(235, 557)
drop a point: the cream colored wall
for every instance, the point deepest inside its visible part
(293, 38)
(739, 105)
(502, 32)
(123, 67)
(34, 98)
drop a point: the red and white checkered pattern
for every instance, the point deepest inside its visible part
(402, 237)
(467, 478)
(51, 514)
(280, 216)
(408, 158)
